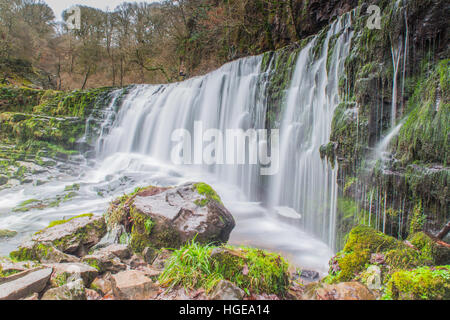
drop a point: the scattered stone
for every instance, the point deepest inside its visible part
(295, 292)
(133, 285)
(109, 258)
(25, 284)
(3, 180)
(149, 255)
(92, 295)
(71, 291)
(7, 234)
(150, 271)
(119, 250)
(63, 271)
(161, 259)
(111, 237)
(340, 291)
(225, 290)
(34, 297)
(136, 262)
(177, 294)
(102, 285)
(377, 258)
(372, 278)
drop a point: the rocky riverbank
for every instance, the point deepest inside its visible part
(170, 243)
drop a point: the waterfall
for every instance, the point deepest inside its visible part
(235, 97)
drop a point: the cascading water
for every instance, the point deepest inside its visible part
(134, 149)
(306, 183)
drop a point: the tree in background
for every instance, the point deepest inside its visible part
(142, 42)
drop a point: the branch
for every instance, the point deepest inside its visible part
(441, 235)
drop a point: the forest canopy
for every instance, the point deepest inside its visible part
(142, 42)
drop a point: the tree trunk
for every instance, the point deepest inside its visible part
(441, 235)
(86, 78)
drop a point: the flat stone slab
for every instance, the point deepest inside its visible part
(33, 282)
(133, 285)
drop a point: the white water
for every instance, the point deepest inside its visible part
(135, 145)
(382, 147)
(306, 183)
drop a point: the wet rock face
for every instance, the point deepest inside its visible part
(167, 218)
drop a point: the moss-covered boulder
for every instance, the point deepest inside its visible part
(169, 217)
(423, 283)
(63, 238)
(438, 252)
(365, 247)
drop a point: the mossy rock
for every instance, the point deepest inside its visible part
(252, 269)
(430, 249)
(72, 236)
(169, 217)
(355, 257)
(423, 283)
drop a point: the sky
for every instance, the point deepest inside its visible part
(59, 6)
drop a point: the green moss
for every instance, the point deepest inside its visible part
(93, 263)
(355, 257)
(203, 266)
(417, 219)
(424, 136)
(73, 187)
(58, 222)
(60, 279)
(429, 249)
(405, 258)
(208, 192)
(37, 253)
(424, 283)
(146, 233)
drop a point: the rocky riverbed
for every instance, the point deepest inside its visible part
(171, 243)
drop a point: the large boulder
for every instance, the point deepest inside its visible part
(63, 240)
(169, 217)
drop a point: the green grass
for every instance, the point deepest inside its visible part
(252, 270)
(191, 266)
